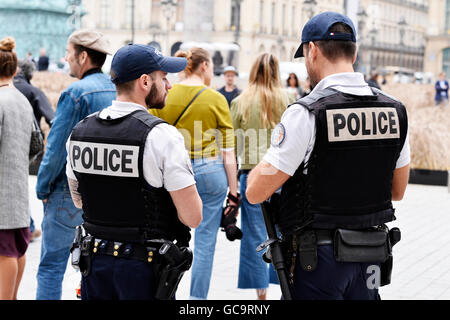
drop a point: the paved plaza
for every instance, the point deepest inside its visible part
(421, 259)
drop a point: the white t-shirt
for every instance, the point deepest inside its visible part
(300, 126)
(166, 162)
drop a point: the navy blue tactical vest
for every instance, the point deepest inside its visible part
(107, 158)
(347, 181)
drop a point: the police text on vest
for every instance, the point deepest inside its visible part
(104, 159)
(362, 124)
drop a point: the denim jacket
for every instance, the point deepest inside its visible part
(92, 93)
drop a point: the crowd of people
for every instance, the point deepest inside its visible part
(186, 174)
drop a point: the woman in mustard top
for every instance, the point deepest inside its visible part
(255, 113)
(209, 137)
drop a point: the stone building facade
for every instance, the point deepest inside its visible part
(437, 57)
(265, 25)
(393, 33)
(270, 26)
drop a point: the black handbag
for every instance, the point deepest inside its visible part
(361, 246)
(37, 142)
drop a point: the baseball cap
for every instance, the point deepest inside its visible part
(91, 39)
(230, 68)
(134, 60)
(318, 29)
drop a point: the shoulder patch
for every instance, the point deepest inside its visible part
(278, 135)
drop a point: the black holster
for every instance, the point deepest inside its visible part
(386, 267)
(81, 251)
(176, 261)
(307, 250)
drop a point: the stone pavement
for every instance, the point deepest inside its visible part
(421, 259)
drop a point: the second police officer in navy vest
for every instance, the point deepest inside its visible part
(131, 174)
(341, 155)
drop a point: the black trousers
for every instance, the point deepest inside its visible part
(118, 279)
(334, 280)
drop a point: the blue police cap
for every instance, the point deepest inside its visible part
(318, 28)
(134, 60)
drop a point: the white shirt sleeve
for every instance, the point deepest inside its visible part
(69, 170)
(300, 133)
(166, 160)
(405, 155)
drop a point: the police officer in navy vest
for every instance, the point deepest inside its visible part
(130, 173)
(340, 156)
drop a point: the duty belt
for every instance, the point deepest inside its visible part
(135, 251)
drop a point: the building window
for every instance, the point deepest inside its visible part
(233, 15)
(261, 15)
(273, 18)
(446, 62)
(128, 13)
(105, 17)
(447, 18)
(293, 20)
(283, 19)
(156, 13)
(235, 12)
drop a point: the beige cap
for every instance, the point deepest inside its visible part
(91, 39)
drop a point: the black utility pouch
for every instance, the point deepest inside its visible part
(361, 246)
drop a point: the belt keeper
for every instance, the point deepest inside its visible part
(307, 249)
(102, 246)
(128, 250)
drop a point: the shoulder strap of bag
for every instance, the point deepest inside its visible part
(36, 126)
(182, 113)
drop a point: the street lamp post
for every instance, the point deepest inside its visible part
(237, 20)
(308, 6)
(280, 44)
(169, 7)
(401, 24)
(74, 8)
(373, 33)
(132, 21)
(362, 16)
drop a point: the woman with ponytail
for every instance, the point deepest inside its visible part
(255, 113)
(16, 122)
(202, 115)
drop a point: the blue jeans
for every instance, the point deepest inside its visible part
(254, 273)
(212, 186)
(32, 227)
(58, 231)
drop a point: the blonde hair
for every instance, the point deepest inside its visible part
(8, 58)
(265, 83)
(195, 57)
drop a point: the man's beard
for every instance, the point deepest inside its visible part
(312, 79)
(153, 99)
(72, 73)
